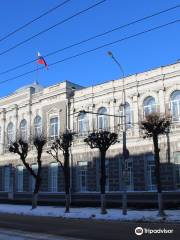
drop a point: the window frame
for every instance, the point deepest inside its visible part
(149, 107)
(150, 166)
(82, 168)
(83, 123)
(37, 125)
(175, 106)
(20, 178)
(53, 137)
(102, 119)
(23, 129)
(53, 179)
(6, 180)
(128, 114)
(10, 132)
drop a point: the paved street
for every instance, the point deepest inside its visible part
(82, 229)
(6, 234)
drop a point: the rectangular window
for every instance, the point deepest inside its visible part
(7, 179)
(129, 174)
(82, 175)
(20, 178)
(54, 177)
(83, 124)
(54, 128)
(151, 178)
(177, 169)
(102, 122)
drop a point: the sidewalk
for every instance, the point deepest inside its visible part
(90, 213)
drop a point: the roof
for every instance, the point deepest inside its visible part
(36, 87)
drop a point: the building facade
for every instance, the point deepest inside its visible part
(33, 109)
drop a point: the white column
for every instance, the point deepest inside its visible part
(30, 130)
(161, 101)
(3, 120)
(111, 118)
(135, 115)
(90, 118)
(15, 121)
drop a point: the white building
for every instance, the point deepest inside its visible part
(32, 109)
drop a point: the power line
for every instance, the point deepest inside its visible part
(91, 38)
(53, 26)
(94, 49)
(33, 20)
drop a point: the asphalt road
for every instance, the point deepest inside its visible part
(5, 234)
(87, 229)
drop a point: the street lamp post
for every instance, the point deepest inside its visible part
(125, 151)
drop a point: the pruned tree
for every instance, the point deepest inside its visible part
(63, 143)
(153, 126)
(21, 147)
(102, 140)
(39, 143)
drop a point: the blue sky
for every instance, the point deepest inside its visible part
(139, 54)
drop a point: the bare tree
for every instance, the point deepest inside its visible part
(153, 126)
(63, 143)
(39, 143)
(21, 147)
(102, 140)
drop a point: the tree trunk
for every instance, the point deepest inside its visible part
(36, 191)
(158, 176)
(67, 181)
(103, 182)
(67, 205)
(34, 200)
(103, 204)
(160, 205)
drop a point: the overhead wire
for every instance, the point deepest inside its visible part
(51, 27)
(91, 38)
(94, 49)
(33, 20)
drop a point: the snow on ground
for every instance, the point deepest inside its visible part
(90, 213)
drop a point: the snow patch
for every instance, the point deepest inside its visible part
(90, 213)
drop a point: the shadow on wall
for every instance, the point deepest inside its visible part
(17, 184)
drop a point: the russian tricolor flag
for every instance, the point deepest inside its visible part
(41, 60)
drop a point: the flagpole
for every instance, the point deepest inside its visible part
(37, 71)
(40, 60)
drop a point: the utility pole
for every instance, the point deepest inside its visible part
(125, 151)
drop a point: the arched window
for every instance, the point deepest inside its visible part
(128, 113)
(83, 123)
(149, 105)
(102, 119)
(37, 126)
(175, 105)
(54, 128)
(10, 133)
(23, 129)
